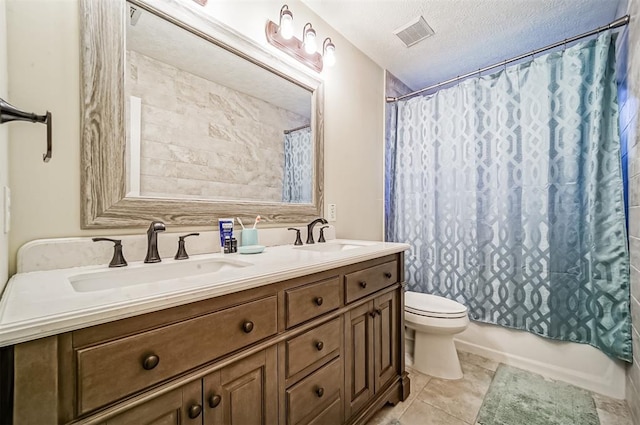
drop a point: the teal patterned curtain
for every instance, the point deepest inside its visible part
(509, 189)
(297, 183)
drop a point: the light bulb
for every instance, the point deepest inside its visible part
(286, 25)
(310, 41)
(330, 54)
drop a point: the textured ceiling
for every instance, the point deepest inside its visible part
(469, 34)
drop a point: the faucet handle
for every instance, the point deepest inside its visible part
(118, 258)
(298, 239)
(182, 252)
(321, 238)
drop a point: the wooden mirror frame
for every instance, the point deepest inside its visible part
(103, 142)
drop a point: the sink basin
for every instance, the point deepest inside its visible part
(330, 246)
(151, 273)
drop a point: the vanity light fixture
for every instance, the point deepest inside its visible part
(305, 50)
(309, 39)
(329, 52)
(286, 23)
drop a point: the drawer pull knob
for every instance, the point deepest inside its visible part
(372, 313)
(363, 284)
(378, 311)
(319, 300)
(247, 326)
(150, 362)
(319, 391)
(387, 275)
(194, 411)
(214, 401)
(319, 345)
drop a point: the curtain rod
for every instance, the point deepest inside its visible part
(297, 128)
(615, 24)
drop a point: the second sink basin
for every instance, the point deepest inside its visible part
(331, 246)
(149, 273)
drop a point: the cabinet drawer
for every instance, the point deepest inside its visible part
(308, 348)
(314, 394)
(330, 415)
(364, 282)
(110, 371)
(309, 301)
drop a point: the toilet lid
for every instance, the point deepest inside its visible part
(432, 305)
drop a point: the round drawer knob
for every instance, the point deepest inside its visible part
(247, 326)
(378, 311)
(319, 300)
(387, 275)
(372, 313)
(194, 411)
(214, 401)
(319, 391)
(150, 362)
(319, 345)
(363, 284)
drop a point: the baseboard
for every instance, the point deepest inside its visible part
(608, 384)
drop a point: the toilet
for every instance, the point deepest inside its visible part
(435, 321)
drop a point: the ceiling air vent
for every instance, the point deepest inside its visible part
(414, 32)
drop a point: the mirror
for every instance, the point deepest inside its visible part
(204, 123)
(185, 121)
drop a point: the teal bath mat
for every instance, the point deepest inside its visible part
(518, 397)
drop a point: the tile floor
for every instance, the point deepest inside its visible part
(435, 401)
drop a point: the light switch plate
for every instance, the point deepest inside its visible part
(331, 212)
(7, 209)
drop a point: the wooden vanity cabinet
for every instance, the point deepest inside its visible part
(372, 351)
(385, 336)
(173, 408)
(325, 348)
(243, 393)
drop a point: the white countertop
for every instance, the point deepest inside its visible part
(43, 303)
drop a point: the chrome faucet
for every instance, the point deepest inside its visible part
(152, 242)
(310, 227)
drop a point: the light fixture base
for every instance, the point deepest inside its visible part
(293, 47)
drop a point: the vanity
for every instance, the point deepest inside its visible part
(307, 334)
(296, 335)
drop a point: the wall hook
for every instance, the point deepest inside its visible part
(9, 113)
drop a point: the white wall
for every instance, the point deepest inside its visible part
(43, 58)
(4, 149)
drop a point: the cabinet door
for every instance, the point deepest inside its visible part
(243, 393)
(385, 340)
(359, 384)
(182, 406)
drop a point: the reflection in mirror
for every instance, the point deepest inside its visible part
(298, 165)
(204, 123)
(198, 133)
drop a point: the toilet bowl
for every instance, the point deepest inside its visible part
(435, 321)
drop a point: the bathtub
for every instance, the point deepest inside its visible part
(579, 364)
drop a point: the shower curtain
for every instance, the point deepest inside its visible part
(297, 183)
(508, 188)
